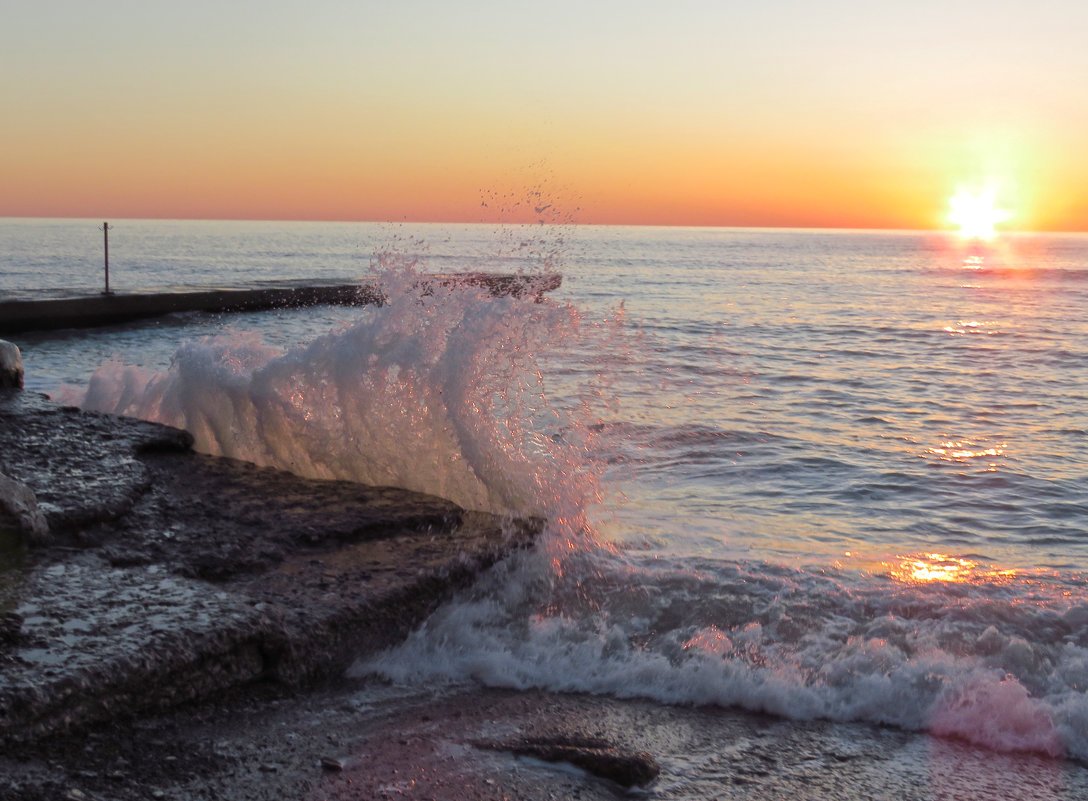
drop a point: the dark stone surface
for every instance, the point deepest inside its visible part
(170, 576)
(594, 755)
(358, 741)
(83, 467)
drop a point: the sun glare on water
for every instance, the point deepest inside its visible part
(976, 214)
(924, 568)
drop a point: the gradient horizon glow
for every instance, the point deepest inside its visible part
(839, 114)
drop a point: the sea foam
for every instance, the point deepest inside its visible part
(437, 391)
(970, 662)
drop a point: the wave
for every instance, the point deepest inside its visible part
(1000, 662)
(436, 391)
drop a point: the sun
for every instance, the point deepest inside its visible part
(976, 214)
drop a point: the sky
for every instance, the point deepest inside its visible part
(840, 113)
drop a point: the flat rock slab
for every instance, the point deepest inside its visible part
(169, 576)
(82, 466)
(368, 740)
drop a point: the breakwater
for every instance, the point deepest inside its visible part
(82, 311)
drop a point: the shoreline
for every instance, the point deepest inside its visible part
(363, 739)
(162, 576)
(154, 646)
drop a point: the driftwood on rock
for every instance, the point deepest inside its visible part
(599, 757)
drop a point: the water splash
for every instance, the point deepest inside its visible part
(440, 391)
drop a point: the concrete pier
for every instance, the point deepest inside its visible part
(86, 311)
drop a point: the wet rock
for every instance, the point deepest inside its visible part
(193, 577)
(19, 509)
(10, 627)
(82, 468)
(625, 767)
(11, 366)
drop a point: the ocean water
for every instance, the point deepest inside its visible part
(820, 474)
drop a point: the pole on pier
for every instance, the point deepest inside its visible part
(106, 251)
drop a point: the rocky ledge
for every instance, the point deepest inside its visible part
(137, 575)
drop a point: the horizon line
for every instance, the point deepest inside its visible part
(347, 221)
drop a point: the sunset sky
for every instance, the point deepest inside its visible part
(769, 113)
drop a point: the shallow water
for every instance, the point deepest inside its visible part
(826, 474)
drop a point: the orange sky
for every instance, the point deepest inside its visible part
(845, 114)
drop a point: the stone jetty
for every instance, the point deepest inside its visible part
(45, 313)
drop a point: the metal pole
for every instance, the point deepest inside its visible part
(106, 251)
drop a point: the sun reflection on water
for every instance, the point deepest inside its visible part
(925, 568)
(962, 450)
(988, 328)
(965, 452)
(997, 257)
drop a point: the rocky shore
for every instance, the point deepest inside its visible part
(175, 626)
(137, 576)
(163, 613)
(163, 576)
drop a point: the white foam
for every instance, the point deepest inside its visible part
(1004, 675)
(437, 391)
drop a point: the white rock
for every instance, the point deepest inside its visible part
(11, 365)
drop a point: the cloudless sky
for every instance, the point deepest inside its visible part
(841, 113)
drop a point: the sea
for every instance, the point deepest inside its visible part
(823, 475)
